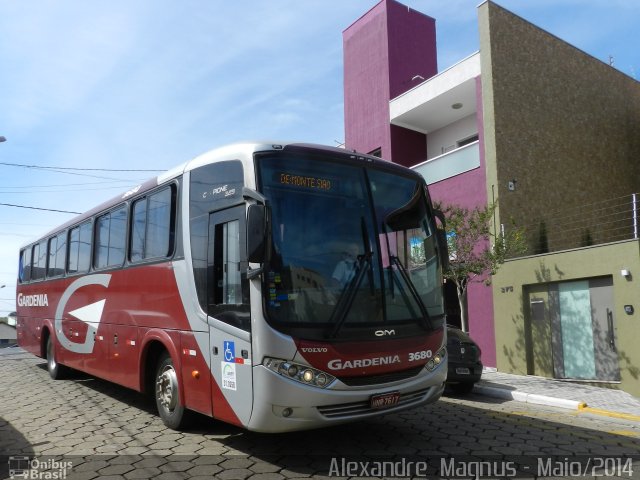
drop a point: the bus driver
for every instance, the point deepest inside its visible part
(346, 268)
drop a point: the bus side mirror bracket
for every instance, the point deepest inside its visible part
(441, 236)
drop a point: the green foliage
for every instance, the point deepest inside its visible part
(474, 250)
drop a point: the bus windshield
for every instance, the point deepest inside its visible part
(353, 247)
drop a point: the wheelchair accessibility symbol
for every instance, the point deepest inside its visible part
(229, 351)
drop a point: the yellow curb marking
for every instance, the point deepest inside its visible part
(624, 433)
(607, 413)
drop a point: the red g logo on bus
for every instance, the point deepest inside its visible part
(90, 314)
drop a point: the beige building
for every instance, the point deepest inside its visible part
(562, 145)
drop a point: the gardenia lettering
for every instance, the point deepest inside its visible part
(338, 364)
(37, 300)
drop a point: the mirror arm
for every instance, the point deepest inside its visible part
(441, 236)
(254, 194)
(254, 272)
(440, 216)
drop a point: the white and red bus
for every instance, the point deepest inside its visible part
(274, 287)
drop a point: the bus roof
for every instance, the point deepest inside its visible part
(238, 151)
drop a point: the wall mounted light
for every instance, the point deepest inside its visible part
(625, 273)
(511, 185)
(456, 106)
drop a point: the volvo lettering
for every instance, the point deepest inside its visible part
(275, 287)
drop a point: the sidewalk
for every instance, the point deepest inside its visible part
(559, 393)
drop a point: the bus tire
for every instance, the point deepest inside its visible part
(55, 369)
(167, 394)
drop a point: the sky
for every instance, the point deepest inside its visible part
(150, 84)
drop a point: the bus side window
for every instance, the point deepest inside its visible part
(51, 263)
(25, 265)
(79, 248)
(39, 261)
(152, 226)
(111, 238)
(61, 254)
(57, 252)
(84, 254)
(227, 287)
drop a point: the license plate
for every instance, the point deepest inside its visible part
(385, 400)
(463, 371)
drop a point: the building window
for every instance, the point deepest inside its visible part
(467, 141)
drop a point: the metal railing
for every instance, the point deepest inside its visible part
(450, 164)
(598, 223)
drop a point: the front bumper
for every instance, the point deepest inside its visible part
(282, 405)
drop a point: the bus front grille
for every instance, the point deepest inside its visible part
(363, 408)
(381, 379)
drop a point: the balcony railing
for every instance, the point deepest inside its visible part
(450, 164)
(598, 223)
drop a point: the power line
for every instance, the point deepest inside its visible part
(82, 184)
(75, 173)
(21, 224)
(98, 189)
(80, 169)
(38, 208)
(15, 235)
(66, 171)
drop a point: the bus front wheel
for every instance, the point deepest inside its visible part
(167, 394)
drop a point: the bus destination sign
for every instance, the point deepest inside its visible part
(314, 183)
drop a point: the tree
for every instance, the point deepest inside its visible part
(475, 252)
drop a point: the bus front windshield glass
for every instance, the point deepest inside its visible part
(351, 247)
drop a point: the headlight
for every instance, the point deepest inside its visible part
(436, 360)
(299, 373)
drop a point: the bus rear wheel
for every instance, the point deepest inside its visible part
(167, 389)
(56, 370)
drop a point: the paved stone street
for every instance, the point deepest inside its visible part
(106, 431)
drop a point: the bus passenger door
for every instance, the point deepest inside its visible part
(228, 309)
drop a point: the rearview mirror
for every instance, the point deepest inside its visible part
(256, 233)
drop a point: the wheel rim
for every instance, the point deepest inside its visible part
(167, 388)
(51, 361)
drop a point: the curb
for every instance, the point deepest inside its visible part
(518, 396)
(533, 398)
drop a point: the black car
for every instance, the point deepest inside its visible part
(465, 367)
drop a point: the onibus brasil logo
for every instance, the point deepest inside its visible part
(41, 469)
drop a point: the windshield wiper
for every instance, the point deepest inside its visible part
(349, 292)
(426, 318)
